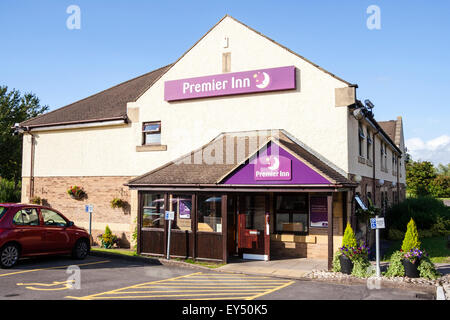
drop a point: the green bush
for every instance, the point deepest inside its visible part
(7, 191)
(396, 268)
(441, 227)
(424, 210)
(395, 234)
(426, 234)
(440, 187)
(411, 237)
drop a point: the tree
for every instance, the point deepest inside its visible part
(443, 170)
(14, 108)
(440, 187)
(419, 175)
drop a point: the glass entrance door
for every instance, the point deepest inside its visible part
(253, 226)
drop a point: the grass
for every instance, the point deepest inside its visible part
(211, 265)
(125, 252)
(128, 252)
(436, 248)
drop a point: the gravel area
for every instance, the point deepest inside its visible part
(443, 281)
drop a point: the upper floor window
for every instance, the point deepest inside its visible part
(151, 132)
(361, 140)
(369, 144)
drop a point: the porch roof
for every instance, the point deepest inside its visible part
(210, 164)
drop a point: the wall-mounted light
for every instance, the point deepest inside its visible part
(394, 184)
(381, 182)
(358, 114)
(357, 178)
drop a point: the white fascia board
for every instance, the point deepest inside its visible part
(80, 125)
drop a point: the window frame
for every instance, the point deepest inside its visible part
(361, 138)
(291, 213)
(145, 132)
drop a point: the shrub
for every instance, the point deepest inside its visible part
(441, 227)
(426, 234)
(424, 211)
(395, 234)
(349, 239)
(440, 187)
(396, 268)
(107, 239)
(411, 237)
(9, 192)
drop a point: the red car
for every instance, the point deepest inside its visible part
(33, 230)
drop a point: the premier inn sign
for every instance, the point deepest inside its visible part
(262, 80)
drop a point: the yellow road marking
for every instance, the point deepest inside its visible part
(192, 286)
(273, 290)
(31, 286)
(134, 286)
(164, 295)
(50, 268)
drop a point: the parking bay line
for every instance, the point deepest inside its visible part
(50, 268)
(216, 287)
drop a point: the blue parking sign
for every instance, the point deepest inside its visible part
(373, 223)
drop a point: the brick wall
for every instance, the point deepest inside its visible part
(100, 191)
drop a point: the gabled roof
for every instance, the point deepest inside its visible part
(393, 129)
(191, 169)
(105, 105)
(111, 103)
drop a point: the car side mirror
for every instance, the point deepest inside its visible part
(70, 224)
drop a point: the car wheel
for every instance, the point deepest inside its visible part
(9, 255)
(81, 249)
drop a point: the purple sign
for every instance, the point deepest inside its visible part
(299, 172)
(262, 80)
(185, 210)
(273, 167)
(319, 211)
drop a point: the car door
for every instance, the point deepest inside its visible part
(56, 235)
(28, 231)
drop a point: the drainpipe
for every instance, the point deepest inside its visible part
(398, 180)
(32, 165)
(374, 183)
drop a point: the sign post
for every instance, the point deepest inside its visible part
(377, 224)
(169, 217)
(89, 208)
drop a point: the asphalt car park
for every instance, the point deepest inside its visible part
(98, 278)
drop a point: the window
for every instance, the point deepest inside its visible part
(2, 212)
(26, 217)
(51, 218)
(182, 206)
(369, 144)
(151, 133)
(382, 151)
(291, 213)
(361, 140)
(153, 210)
(209, 213)
(255, 210)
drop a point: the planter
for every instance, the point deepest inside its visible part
(411, 268)
(76, 197)
(346, 264)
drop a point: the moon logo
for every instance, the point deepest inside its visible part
(264, 82)
(276, 164)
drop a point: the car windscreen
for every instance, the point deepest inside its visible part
(2, 212)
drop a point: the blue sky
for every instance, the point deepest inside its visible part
(403, 68)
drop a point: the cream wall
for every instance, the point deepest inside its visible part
(363, 169)
(308, 113)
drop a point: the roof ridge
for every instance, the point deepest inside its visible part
(95, 94)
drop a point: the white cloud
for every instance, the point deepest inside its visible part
(436, 150)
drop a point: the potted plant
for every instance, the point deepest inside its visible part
(76, 192)
(107, 239)
(411, 251)
(117, 203)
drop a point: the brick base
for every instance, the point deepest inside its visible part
(99, 190)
